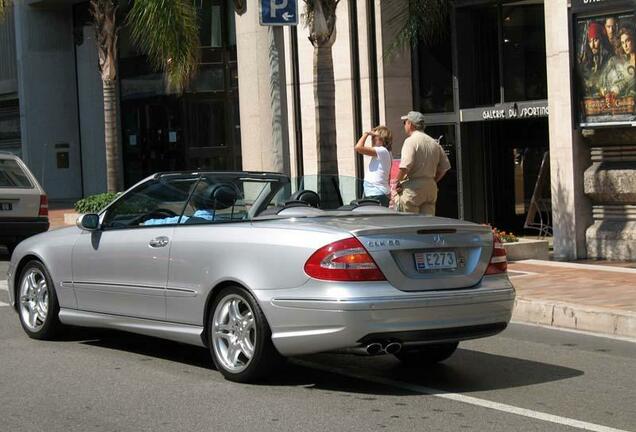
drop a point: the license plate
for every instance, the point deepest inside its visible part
(425, 261)
(6, 206)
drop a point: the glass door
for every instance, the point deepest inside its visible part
(153, 137)
(211, 144)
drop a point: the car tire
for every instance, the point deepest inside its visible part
(37, 303)
(428, 354)
(239, 337)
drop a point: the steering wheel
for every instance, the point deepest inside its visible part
(160, 213)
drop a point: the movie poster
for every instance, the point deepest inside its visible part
(606, 60)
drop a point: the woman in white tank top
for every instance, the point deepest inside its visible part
(376, 176)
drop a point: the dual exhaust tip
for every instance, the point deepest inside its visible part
(377, 348)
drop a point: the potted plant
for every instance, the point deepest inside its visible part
(519, 248)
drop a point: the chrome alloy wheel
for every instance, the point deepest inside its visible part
(234, 333)
(34, 299)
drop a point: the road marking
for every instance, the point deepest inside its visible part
(3, 304)
(510, 409)
(4, 286)
(519, 274)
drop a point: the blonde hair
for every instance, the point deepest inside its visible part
(385, 134)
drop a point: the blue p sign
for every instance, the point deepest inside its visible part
(279, 12)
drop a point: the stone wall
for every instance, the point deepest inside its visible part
(610, 183)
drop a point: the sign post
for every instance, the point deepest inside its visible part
(279, 12)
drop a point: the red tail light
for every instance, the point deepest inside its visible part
(498, 261)
(44, 206)
(344, 260)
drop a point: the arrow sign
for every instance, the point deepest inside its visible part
(278, 12)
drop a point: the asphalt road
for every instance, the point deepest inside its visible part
(526, 379)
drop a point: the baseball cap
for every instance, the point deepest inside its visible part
(417, 118)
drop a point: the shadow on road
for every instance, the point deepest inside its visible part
(467, 371)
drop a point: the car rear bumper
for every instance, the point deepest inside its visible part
(17, 229)
(317, 324)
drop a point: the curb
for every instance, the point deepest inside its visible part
(575, 317)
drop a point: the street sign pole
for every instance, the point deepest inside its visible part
(278, 12)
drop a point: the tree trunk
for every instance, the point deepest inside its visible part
(325, 100)
(326, 144)
(111, 136)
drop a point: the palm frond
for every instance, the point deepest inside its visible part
(424, 21)
(4, 5)
(167, 32)
(320, 18)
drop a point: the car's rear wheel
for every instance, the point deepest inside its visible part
(240, 338)
(427, 354)
(37, 302)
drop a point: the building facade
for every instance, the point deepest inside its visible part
(537, 122)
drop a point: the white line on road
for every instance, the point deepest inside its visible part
(3, 304)
(511, 409)
(519, 274)
(4, 286)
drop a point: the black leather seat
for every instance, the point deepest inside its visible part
(215, 197)
(307, 196)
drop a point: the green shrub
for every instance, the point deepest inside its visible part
(94, 203)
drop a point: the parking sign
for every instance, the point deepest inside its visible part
(279, 12)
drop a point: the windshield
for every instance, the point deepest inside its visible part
(12, 176)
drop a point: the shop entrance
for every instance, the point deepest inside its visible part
(169, 133)
(503, 172)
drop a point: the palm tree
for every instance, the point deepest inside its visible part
(422, 21)
(320, 18)
(165, 30)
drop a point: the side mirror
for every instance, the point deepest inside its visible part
(88, 222)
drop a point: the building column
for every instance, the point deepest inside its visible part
(610, 183)
(262, 94)
(47, 90)
(569, 156)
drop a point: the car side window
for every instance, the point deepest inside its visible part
(156, 202)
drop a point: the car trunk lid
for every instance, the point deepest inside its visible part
(401, 243)
(420, 257)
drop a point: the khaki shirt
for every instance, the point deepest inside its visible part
(423, 157)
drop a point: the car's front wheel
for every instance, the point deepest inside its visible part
(240, 338)
(427, 354)
(37, 303)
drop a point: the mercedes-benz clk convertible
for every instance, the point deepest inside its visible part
(258, 267)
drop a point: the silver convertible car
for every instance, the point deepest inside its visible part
(257, 267)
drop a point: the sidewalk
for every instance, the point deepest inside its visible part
(56, 213)
(588, 297)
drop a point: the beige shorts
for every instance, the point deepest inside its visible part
(418, 196)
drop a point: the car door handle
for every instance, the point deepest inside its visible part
(159, 242)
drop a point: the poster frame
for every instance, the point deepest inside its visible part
(581, 9)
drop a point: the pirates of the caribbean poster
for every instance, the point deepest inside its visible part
(606, 61)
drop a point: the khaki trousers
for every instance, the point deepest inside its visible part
(418, 196)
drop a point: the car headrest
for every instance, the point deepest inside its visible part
(308, 196)
(216, 197)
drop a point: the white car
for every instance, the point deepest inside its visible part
(24, 208)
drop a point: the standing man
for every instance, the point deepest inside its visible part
(423, 164)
